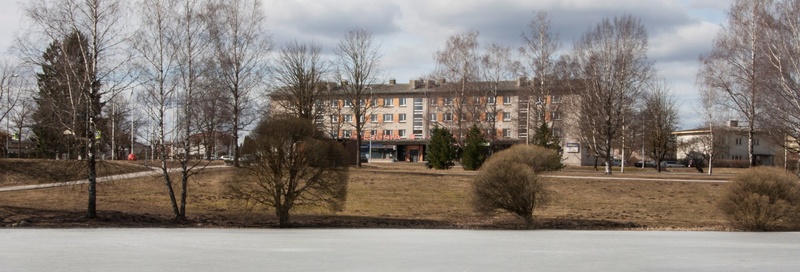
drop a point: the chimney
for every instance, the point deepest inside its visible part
(733, 123)
(430, 83)
(413, 84)
(392, 81)
(522, 81)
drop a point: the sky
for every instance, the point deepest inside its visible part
(410, 31)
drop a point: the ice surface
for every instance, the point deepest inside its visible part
(392, 250)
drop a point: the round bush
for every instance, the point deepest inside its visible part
(509, 181)
(762, 199)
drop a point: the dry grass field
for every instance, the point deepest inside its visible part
(397, 195)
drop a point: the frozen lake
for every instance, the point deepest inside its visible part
(392, 250)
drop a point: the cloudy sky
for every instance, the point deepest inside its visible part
(410, 31)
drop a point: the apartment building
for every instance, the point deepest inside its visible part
(400, 116)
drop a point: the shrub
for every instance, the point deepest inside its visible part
(762, 199)
(509, 181)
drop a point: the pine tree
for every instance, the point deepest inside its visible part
(442, 152)
(544, 137)
(474, 151)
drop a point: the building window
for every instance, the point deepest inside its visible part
(433, 117)
(373, 133)
(737, 157)
(361, 118)
(557, 132)
(506, 133)
(362, 102)
(401, 117)
(506, 116)
(334, 103)
(348, 118)
(348, 103)
(756, 141)
(507, 100)
(476, 100)
(739, 141)
(387, 132)
(490, 132)
(347, 133)
(402, 102)
(448, 117)
(554, 115)
(433, 100)
(490, 117)
(388, 102)
(334, 118)
(388, 118)
(554, 99)
(401, 133)
(448, 101)
(373, 102)
(491, 100)
(373, 118)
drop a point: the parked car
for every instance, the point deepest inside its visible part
(646, 164)
(667, 164)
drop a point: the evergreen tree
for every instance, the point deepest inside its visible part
(60, 120)
(544, 137)
(474, 150)
(441, 152)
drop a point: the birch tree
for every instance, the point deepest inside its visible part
(611, 59)
(102, 67)
(459, 63)
(783, 49)
(738, 64)
(241, 44)
(540, 46)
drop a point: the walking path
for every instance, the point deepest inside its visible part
(154, 172)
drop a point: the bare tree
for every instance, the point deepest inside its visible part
(497, 68)
(300, 72)
(611, 59)
(459, 63)
(101, 71)
(358, 65)
(539, 48)
(294, 165)
(783, 50)
(661, 121)
(241, 46)
(738, 64)
(10, 91)
(714, 115)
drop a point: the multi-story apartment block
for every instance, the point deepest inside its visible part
(400, 117)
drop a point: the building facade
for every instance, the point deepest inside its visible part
(399, 117)
(729, 143)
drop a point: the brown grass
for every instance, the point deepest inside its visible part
(396, 195)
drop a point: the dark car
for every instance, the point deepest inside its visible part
(646, 164)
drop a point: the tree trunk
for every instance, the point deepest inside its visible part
(283, 216)
(529, 223)
(92, 209)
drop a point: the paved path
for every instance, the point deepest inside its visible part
(154, 172)
(637, 179)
